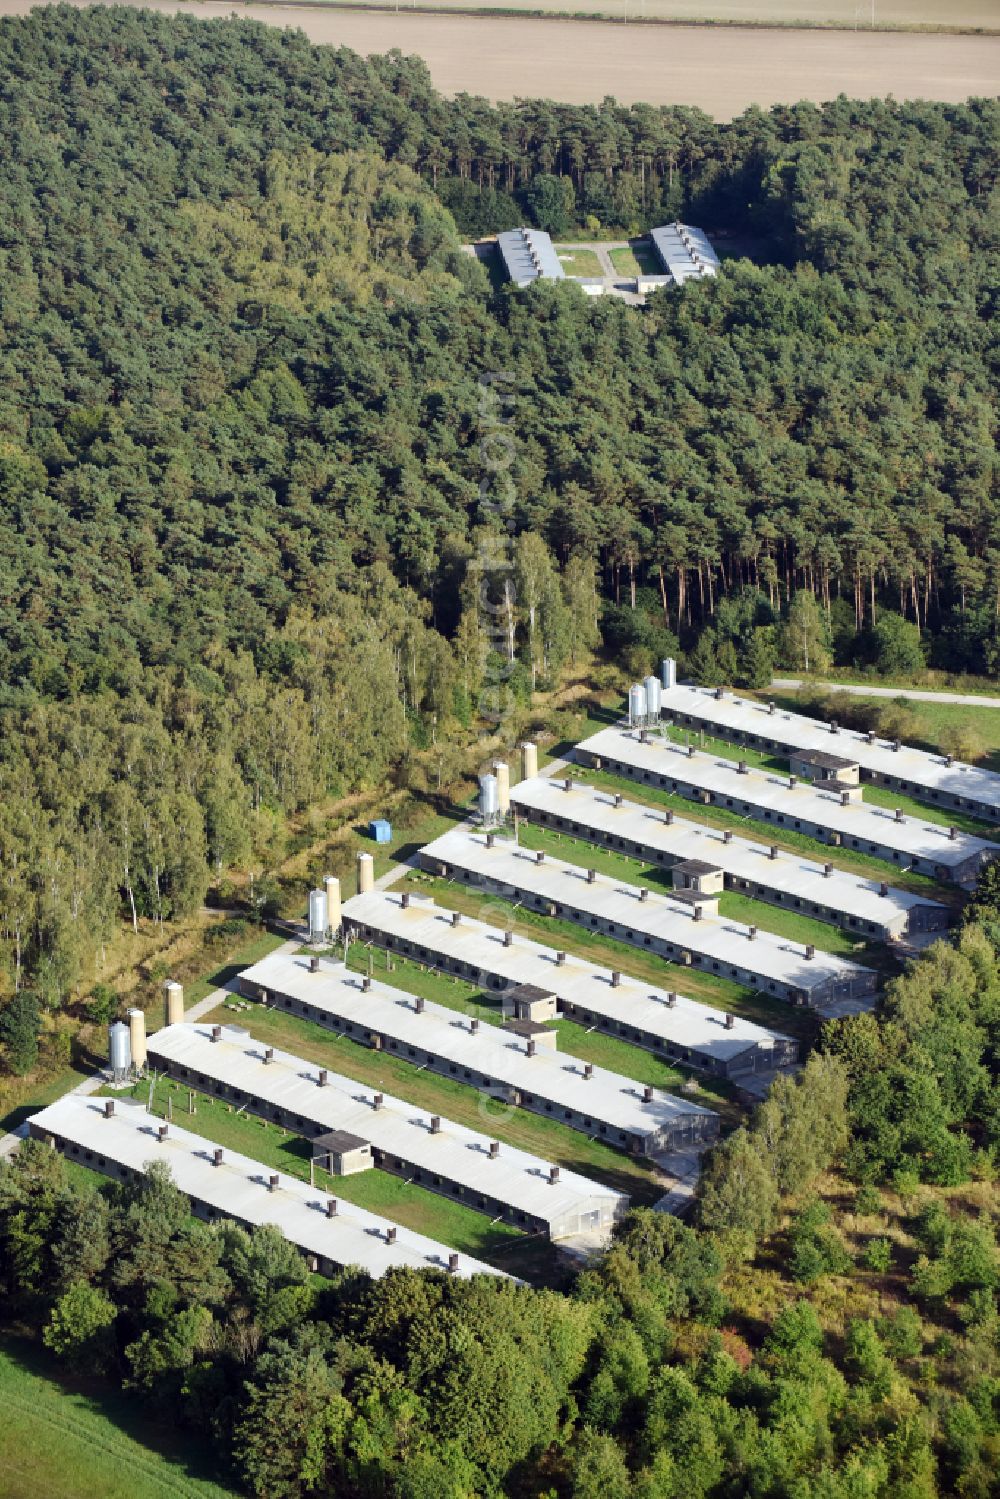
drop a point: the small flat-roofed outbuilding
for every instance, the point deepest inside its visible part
(598, 1102)
(817, 765)
(663, 1021)
(342, 1153)
(224, 1184)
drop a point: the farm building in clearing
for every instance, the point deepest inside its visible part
(343, 1118)
(684, 252)
(120, 1139)
(529, 255)
(758, 870)
(838, 817)
(659, 1020)
(683, 926)
(516, 1064)
(934, 778)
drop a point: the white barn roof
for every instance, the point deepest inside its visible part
(489, 1056)
(725, 943)
(399, 1129)
(239, 1187)
(765, 792)
(529, 255)
(930, 775)
(791, 873)
(684, 252)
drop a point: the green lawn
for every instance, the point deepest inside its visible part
(759, 913)
(455, 1100)
(60, 1440)
(637, 257)
(722, 993)
(720, 817)
(578, 262)
(425, 1212)
(884, 796)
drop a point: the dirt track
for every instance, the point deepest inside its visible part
(720, 70)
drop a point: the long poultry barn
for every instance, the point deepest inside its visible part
(516, 969)
(684, 926)
(832, 813)
(935, 778)
(121, 1139)
(764, 872)
(519, 1065)
(432, 1151)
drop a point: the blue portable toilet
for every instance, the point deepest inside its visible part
(380, 830)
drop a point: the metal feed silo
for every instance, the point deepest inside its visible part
(317, 915)
(489, 800)
(668, 672)
(636, 704)
(119, 1050)
(652, 686)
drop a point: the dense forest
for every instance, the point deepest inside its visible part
(795, 1343)
(249, 513)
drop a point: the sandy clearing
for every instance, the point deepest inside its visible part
(722, 71)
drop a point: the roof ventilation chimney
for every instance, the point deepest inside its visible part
(845, 798)
(949, 760)
(217, 1157)
(871, 736)
(953, 833)
(773, 851)
(539, 857)
(672, 1000)
(690, 751)
(331, 1207)
(314, 964)
(435, 1124)
(616, 979)
(490, 837)
(216, 1032)
(883, 889)
(897, 745)
(591, 876)
(833, 726)
(588, 1071)
(494, 1149)
(827, 871)
(390, 1234)
(418, 1005)
(272, 1183)
(377, 1101)
(530, 1049)
(405, 900)
(752, 933)
(474, 1027)
(718, 694)
(453, 1264)
(618, 798)
(321, 1079)
(568, 784)
(456, 917)
(560, 959)
(268, 1055)
(161, 1133)
(741, 767)
(899, 814)
(643, 893)
(553, 1174)
(727, 836)
(109, 1108)
(730, 1021)
(793, 781)
(770, 707)
(668, 817)
(647, 1094)
(810, 951)
(508, 939)
(366, 983)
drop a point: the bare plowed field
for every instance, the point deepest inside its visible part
(721, 70)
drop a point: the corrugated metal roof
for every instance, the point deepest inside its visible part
(684, 252)
(239, 1188)
(529, 255)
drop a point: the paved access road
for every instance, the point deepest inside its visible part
(919, 694)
